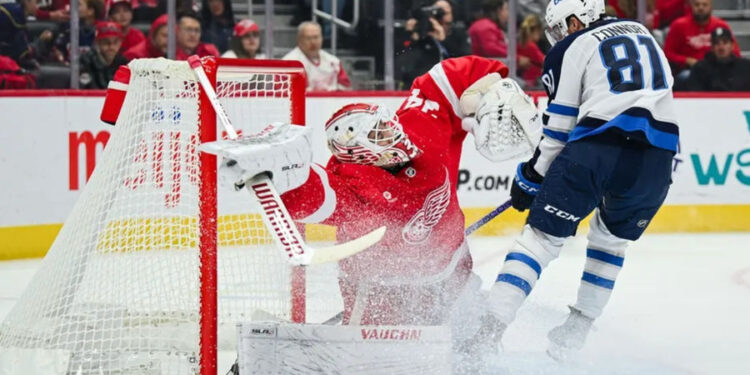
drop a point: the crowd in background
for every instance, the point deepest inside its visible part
(701, 48)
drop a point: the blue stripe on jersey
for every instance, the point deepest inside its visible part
(529, 261)
(635, 120)
(515, 281)
(564, 110)
(604, 257)
(598, 281)
(560, 136)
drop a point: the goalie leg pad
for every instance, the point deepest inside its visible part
(285, 348)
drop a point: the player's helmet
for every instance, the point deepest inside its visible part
(559, 11)
(368, 134)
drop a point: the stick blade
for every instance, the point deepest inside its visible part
(337, 252)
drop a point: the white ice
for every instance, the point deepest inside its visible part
(681, 305)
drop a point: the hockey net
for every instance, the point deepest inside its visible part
(157, 259)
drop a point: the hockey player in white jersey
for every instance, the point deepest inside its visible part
(609, 138)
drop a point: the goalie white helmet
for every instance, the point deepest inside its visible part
(559, 11)
(368, 134)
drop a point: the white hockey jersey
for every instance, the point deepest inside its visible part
(612, 74)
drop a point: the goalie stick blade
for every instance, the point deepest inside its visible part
(337, 252)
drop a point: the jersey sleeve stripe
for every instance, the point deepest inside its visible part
(437, 73)
(329, 201)
(560, 136)
(563, 110)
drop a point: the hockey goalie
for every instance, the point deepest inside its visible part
(399, 170)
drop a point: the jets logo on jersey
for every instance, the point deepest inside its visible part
(435, 204)
(548, 79)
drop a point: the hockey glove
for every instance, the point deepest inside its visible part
(281, 150)
(505, 122)
(526, 185)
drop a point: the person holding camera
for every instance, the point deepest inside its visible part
(430, 38)
(487, 37)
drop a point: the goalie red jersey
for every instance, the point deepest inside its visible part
(414, 196)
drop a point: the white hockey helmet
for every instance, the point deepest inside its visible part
(559, 11)
(368, 134)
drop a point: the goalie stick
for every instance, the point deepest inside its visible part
(274, 213)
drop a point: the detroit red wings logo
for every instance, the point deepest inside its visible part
(420, 226)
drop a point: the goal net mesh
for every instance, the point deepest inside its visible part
(119, 290)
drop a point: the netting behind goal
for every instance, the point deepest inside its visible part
(128, 285)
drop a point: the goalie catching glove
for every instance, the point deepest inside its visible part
(283, 151)
(503, 119)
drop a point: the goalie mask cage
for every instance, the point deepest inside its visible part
(157, 262)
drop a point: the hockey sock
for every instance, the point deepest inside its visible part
(523, 265)
(605, 254)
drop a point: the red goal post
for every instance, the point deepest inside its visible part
(157, 261)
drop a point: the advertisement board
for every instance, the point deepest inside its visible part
(50, 144)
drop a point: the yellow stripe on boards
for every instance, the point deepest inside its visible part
(32, 241)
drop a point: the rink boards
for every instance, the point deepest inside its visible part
(51, 141)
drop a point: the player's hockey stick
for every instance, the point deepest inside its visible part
(486, 219)
(274, 213)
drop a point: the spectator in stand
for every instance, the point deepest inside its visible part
(689, 38)
(629, 9)
(457, 41)
(720, 69)
(100, 63)
(14, 41)
(89, 12)
(217, 23)
(150, 10)
(441, 40)
(55, 11)
(156, 43)
(324, 70)
(189, 38)
(245, 42)
(487, 37)
(121, 11)
(530, 57)
(669, 10)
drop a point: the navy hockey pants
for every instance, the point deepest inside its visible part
(625, 178)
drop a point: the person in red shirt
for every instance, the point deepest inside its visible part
(487, 37)
(530, 57)
(121, 11)
(156, 43)
(55, 10)
(189, 38)
(689, 37)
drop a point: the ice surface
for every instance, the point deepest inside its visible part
(681, 306)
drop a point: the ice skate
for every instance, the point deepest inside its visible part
(570, 336)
